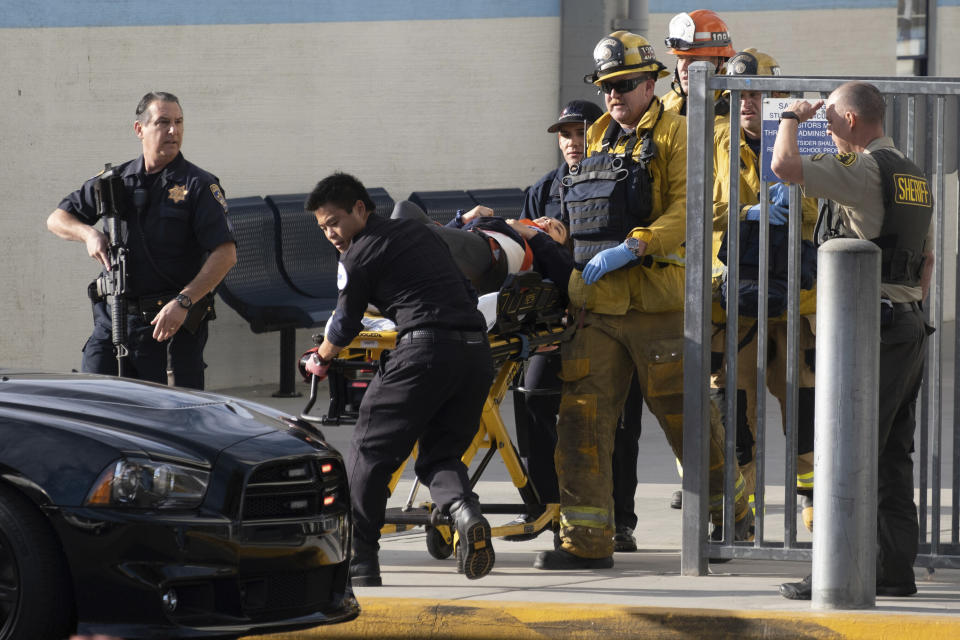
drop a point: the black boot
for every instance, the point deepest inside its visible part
(561, 559)
(526, 520)
(743, 531)
(475, 554)
(364, 565)
(797, 590)
(623, 539)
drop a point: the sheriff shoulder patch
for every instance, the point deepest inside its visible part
(846, 159)
(341, 276)
(218, 195)
(178, 193)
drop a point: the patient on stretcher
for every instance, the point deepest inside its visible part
(487, 248)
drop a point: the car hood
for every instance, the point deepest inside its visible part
(133, 416)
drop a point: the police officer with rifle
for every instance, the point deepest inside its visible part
(165, 246)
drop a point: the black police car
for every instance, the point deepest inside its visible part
(141, 511)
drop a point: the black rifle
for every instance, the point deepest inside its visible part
(109, 191)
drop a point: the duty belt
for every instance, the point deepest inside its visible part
(149, 306)
(900, 306)
(443, 335)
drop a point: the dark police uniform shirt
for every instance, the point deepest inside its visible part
(543, 198)
(407, 272)
(183, 220)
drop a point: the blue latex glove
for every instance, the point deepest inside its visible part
(779, 210)
(780, 194)
(606, 261)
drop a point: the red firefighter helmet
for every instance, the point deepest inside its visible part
(699, 33)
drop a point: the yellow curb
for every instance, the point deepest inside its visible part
(386, 618)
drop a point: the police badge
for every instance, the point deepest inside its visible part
(178, 193)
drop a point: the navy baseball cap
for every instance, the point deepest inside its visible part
(577, 111)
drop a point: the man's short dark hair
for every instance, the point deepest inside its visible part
(340, 189)
(152, 97)
(865, 100)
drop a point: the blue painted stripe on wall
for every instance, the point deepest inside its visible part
(127, 13)
(131, 13)
(721, 6)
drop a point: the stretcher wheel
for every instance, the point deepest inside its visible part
(436, 545)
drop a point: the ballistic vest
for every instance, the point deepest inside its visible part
(607, 195)
(907, 210)
(908, 207)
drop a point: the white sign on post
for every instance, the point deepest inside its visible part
(812, 136)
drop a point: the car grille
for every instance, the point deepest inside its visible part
(294, 489)
(264, 598)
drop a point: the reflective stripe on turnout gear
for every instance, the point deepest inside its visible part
(584, 517)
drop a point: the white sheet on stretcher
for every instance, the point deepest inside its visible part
(487, 305)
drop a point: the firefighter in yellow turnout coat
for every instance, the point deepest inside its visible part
(753, 62)
(627, 296)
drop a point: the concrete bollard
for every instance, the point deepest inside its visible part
(845, 443)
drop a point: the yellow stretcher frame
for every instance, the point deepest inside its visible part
(529, 318)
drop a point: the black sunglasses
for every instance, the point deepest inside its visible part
(624, 86)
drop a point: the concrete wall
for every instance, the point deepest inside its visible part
(424, 95)
(270, 108)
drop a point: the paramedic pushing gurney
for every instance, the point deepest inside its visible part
(428, 391)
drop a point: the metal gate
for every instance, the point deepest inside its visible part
(921, 118)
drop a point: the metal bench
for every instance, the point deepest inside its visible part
(506, 203)
(257, 290)
(442, 206)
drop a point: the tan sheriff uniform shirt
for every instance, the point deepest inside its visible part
(852, 180)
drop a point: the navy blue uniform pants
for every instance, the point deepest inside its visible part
(429, 392)
(902, 348)
(148, 358)
(537, 436)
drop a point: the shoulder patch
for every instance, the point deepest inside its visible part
(846, 159)
(218, 195)
(341, 276)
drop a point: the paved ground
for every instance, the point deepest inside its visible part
(643, 596)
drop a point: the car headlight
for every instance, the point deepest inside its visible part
(147, 484)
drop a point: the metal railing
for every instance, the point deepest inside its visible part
(920, 111)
